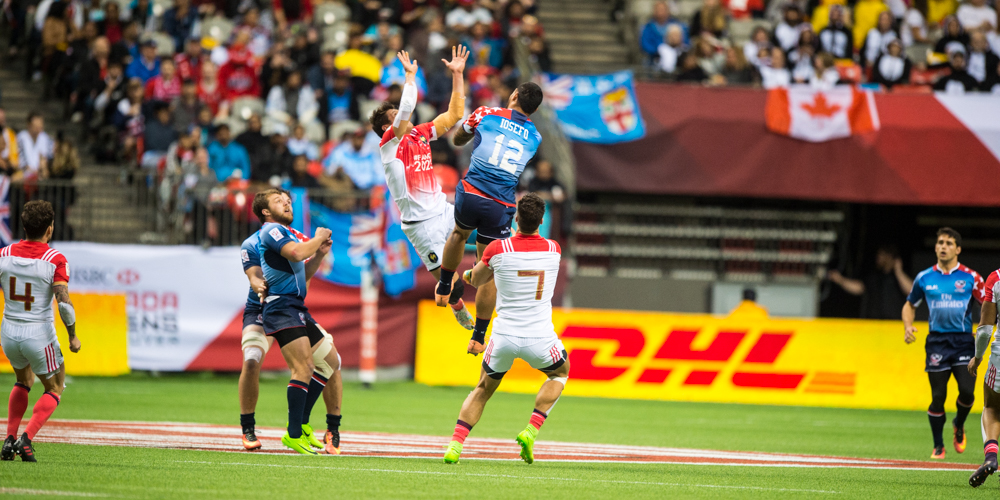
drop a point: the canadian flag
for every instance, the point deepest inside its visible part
(815, 115)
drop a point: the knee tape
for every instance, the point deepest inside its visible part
(252, 354)
(561, 380)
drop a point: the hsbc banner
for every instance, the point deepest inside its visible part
(178, 298)
(687, 357)
(601, 109)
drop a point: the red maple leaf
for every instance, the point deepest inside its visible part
(820, 108)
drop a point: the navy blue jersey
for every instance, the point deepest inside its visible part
(949, 297)
(283, 276)
(505, 141)
(250, 256)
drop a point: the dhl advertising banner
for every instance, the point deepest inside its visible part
(102, 325)
(743, 358)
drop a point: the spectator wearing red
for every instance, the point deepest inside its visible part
(167, 85)
(238, 77)
(111, 27)
(209, 89)
(189, 62)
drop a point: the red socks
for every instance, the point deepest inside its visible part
(461, 432)
(41, 412)
(537, 419)
(458, 305)
(16, 407)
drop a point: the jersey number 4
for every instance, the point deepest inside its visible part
(513, 153)
(541, 281)
(27, 298)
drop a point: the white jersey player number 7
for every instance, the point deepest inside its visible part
(525, 269)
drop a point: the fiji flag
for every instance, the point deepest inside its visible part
(601, 109)
(6, 235)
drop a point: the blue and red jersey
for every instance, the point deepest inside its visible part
(505, 141)
(949, 297)
(283, 276)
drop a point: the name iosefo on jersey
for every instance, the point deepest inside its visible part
(513, 127)
(152, 318)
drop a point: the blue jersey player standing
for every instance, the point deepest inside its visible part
(948, 288)
(504, 140)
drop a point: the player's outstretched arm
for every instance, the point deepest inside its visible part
(909, 314)
(300, 251)
(456, 107)
(462, 137)
(481, 274)
(67, 314)
(402, 126)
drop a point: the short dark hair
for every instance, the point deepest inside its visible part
(947, 231)
(529, 97)
(260, 201)
(530, 210)
(34, 114)
(379, 118)
(36, 217)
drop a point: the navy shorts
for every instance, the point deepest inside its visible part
(283, 312)
(253, 315)
(945, 350)
(490, 218)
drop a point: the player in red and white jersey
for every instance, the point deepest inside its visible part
(427, 217)
(524, 269)
(32, 274)
(991, 384)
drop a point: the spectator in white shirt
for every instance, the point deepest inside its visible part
(759, 41)
(36, 147)
(892, 67)
(982, 61)
(913, 28)
(825, 75)
(786, 33)
(773, 73)
(672, 48)
(878, 38)
(975, 14)
(466, 15)
(801, 60)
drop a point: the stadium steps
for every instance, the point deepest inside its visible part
(583, 38)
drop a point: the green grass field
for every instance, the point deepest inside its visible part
(416, 409)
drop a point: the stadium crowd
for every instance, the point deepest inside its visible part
(207, 98)
(944, 45)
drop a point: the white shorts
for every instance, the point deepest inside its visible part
(991, 378)
(32, 344)
(429, 236)
(538, 352)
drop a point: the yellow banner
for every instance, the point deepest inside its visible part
(743, 358)
(102, 325)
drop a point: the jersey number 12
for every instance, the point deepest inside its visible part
(513, 153)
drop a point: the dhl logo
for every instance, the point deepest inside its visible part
(591, 358)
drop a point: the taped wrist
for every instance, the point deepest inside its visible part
(67, 313)
(983, 334)
(479, 336)
(406, 104)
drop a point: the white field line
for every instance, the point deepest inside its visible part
(58, 493)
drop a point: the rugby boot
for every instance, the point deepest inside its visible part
(959, 438)
(453, 453)
(938, 453)
(23, 447)
(527, 441)
(250, 441)
(307, 433)
(299, 444)
(464, 318)
(982, 473)
(7, 452)
(331, 441)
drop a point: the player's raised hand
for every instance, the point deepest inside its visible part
(459, 55)
(911, 334)
(974, 365)
(74, 344)
(323, 233)
(325, 247)
(409, 66)
(475, 348)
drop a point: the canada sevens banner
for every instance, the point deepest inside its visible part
(601, 109)
(687, 357)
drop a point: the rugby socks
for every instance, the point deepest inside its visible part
(332, 422)
(990, 448)
(444, 284)
(247, 421)
(961, 414)
(41, 412)
(298, 392)
(458, 306)
(937, 427)
(537, 419)
(462, 430)
(16, 407)
(316, 386)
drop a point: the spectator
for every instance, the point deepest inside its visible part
(185, 108)
(128, 118)
(206, 123)
(277, 164)
(825, 75)
(711, 19)
(193, 196)
(179, 22)
(786, 33)
(821, 14)
(913, 26)
(484, 49)
(939, 10)
(655, 31)
(976, 15)
(9, 151)
(253, 141)
(304, 51)
(179, 162)
(773, 73)
(166, 86)
(321, 76)
(545, 185)
(954, 37)
(142, 13)
(8, 167)
(288, 12)
(90, 79)
(959, 81)
(209, 90)
(690, 70)
(835, 38)
(759, 40)
(538, 51)
(158, 135)
(35, 146)
(228, 159)
(736, 69)
(362, 165)
(801, 59)
(866, 14)
(378, 37)
(146, 66)
(466, 15)
(55, 40)
(260, 34)
(672, 48)
(65, 160)
(189, 62)
(300, 145)
(111, 27)
(364, 68)
(884, 290)
(982, 61)
(109, 90)
(238, 77)
(292, 102)
(892, 67)
(878, 38)
(300, 174)
(127, 49)
(992, 82)
(710, 59)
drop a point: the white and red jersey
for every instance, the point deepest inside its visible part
(525, 269)
(992, 294)
(409, 172)
(28, 271)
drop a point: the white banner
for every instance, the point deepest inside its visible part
(179, 298)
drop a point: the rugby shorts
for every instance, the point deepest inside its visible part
(541, 353)
(429, 236)
(945, 350)
(490, 218)
(33, 344)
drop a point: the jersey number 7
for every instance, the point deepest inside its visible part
(513, 153)
(27, 298)
(541, 281)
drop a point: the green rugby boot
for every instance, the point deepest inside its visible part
(307, 433)
(452, 454)
(527, 441)
(300, 445)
